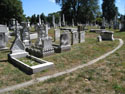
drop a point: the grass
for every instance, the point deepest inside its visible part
(104, 77)
(28, 61)
(73, 83)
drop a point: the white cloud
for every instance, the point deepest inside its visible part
(53, 1)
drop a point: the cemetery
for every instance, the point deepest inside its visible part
(62, 53)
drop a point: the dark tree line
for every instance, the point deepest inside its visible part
(82, 11)
(10, 9)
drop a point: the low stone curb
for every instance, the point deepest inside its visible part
(41, 79)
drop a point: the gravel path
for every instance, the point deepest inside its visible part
(41, 79)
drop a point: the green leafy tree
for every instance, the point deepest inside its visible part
(79, 10)
(109, 9)
(11, 9)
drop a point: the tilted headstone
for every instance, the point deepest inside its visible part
(57, 34)
(3, 36)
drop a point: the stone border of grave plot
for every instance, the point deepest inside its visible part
(41, 79)
(42, 64)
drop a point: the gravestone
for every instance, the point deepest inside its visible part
(54, 25)
(3, 36)
(105, 35)
(103, 23)
(56, 34)
(72, 22)
(25, 35)
(64, 23)
(122, 24)
(60, 22)
(18, 52)
(65, 44)
(74, 37)
(43, 46)
(81, 33)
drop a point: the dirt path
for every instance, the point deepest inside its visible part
(41, 79)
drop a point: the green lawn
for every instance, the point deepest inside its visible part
(74, 83)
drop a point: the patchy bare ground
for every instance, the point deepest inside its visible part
(105, 77)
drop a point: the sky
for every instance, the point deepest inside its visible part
(31, 7)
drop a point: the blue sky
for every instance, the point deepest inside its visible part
(48, 6)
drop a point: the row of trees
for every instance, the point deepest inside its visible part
(82, 11)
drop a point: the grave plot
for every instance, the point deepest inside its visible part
(26, 62)
(105, 35)
(43, 46)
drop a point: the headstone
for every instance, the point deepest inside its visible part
(18, 52)
(43, 46)
(60, 22)
(74, 37)
(3, 36)
(64, 23)
(81, 33)
(72, 22)
(106, 35)
(54, 25)
(103, 23)
(57, 34)
(25, 35)
(122, 24)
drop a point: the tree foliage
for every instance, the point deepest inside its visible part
(79, 10)
(10, 9)
(109, 9)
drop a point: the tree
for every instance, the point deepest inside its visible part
(79, 10)
(109, 9)
(10, 9)
(33, 19)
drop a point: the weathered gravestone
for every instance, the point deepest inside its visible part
(25, 35)
(56, 34)
(54, 24)
(122, 24)
(3, 36)
(81, 34)
(65, 44)
(105, 35)
(74, 35)
(43, 46)
(18, 53)
(63, 23)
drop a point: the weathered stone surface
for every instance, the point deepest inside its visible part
(74, 37)
(3, 36)
(25, 35)
(81, 36)
(106, 35)
(56, 34)
(43, 46)
(65, 44)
